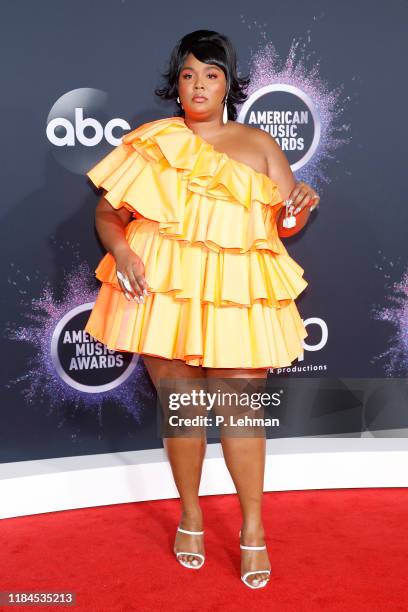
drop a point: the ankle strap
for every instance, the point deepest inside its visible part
(252, 547)
(190, 532)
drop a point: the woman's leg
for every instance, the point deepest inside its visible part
(245, 460)
(185, 454)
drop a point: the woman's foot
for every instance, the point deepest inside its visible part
(187, 542)
(253, 560)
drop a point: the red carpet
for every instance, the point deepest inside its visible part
(344, 550)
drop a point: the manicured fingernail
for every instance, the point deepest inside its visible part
(297, 210)
(145, 291)
(142, 299)
(135, 298)
(128, 297)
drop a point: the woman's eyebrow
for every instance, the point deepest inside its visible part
(210, 67)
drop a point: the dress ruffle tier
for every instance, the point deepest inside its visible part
(222, 283)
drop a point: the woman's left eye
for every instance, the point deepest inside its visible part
(212, 74)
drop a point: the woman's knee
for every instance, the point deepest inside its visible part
(181, 393)
(234, 393)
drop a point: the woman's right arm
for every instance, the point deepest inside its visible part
(110, 224)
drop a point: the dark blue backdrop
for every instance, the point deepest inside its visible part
(106, 58)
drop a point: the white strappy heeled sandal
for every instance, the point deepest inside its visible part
(196, 562)
(263, 582)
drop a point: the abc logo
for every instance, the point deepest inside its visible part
(80, 129)
(71, 134)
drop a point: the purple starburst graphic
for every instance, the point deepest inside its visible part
(40, 378)
(301, 70)
(396, 356)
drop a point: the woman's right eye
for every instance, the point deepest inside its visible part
(186, 75)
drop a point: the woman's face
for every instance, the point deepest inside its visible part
(205, 80)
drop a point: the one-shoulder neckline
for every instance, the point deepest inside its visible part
(235, 161)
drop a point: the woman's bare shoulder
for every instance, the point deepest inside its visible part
(258, 138)
(259, 144)
(248, 144)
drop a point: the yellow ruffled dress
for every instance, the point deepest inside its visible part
(223, 284)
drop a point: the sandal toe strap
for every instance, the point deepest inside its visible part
(264, 571)
(180, 552)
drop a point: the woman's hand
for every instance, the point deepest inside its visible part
(303, 195)
(130, 272)
(302, 200)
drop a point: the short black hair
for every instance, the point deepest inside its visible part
(208, 47)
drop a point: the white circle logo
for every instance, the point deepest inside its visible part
(80, 130)
(289, 115)
(84, 363)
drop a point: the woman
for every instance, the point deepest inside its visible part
(196, 278)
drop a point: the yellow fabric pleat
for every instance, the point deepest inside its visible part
(222, 283)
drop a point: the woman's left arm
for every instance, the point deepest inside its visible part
(304, 197)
